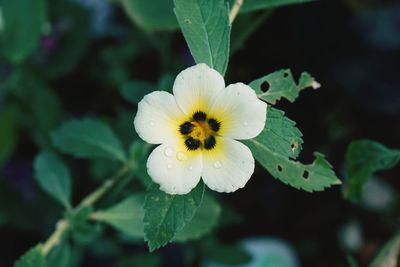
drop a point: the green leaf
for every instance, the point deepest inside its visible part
(388, 255)
(134, 91)
(206, 28)
(151, 15)
(126, 216)
(8, 133)
(165, 215)
(88, 138)
(205, 219)
(53, 177)
(254, 5)
(274, 86)
(279, 142)
(60, 255)
(21, 27)
(363, 158)
(33, 258)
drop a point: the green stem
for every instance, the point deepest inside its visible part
(235, 10)
(104, 188)
(55, 238)
(64, 224)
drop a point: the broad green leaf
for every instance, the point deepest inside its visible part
(274, 86)
(165, 215)
(60, 255)
(151, 15)
(388, 255)
(8, 133)
(126, 216)
(88, 138)
(363, 158)
(205, 26)
(33, 258)
(134, 91)
(279, 142)
(205, 219)
(53, 177)
(21, 27)
(254, 5)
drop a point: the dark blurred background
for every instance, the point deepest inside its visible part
(351, 47)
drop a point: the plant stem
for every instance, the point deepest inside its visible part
(64, 224)
(104, 188)
(235, 10)
(55, 238)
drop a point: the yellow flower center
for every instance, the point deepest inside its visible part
(199, 131)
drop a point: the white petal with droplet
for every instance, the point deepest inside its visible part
(229, 168)
(174, 175)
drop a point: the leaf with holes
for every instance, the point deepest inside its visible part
(363, 158)
(165, 215)
(273, 150)
(206, 28)
(33, 258)
(88, 138)
(274, 86)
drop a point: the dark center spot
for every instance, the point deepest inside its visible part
(214, 124)
(199, 116)
(210, 142)
(192, 143)
(186, 128)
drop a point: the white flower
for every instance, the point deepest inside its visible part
(197, 128)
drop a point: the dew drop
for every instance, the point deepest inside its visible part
(181, 156)
(245, 123)
(151, 123)
(217, 164)
(169, 166)
(169, 152)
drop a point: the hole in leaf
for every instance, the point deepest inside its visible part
(187, 21)
(285, 74)
(305, 174)
(264, 86)
(293, 146)
(279, 168)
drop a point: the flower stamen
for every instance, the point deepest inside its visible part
(199, 132)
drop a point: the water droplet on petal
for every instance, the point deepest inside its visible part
(169, 151)
(217, 164)
(169, 166)
(181, 156)
(151, 123)
(245, 123)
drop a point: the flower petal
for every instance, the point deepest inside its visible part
(195, 87)
(157, 119)
(229, 167)
(176, 170)
(241, 113)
